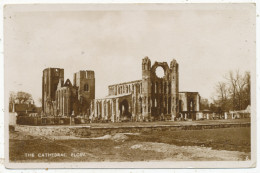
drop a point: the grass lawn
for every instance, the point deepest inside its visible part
(233, 139)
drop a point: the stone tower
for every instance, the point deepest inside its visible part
(85, 81)
(160, 93)
(174, 78)
(50, 80)
(146, 88)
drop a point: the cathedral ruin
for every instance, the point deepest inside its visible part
(149, 99)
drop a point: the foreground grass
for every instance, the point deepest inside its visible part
(232, 139)
(94, 150)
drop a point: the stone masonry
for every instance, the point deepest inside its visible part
(151, 98)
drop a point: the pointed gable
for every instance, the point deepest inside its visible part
(67, 83)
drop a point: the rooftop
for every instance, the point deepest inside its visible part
(135, 81)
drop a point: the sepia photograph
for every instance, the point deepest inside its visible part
(130, 85)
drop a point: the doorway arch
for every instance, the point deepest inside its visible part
(124, 110)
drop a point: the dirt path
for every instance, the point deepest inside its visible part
(191, 153)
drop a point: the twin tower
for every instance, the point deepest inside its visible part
(61, 98)
(162, 91)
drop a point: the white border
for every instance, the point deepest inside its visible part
(137, 164)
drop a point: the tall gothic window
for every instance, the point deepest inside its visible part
(86, 87)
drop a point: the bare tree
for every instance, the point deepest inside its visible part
(204, 103)
(247, 89)
(234, 92)
(241, 83)
(239, 89)
(222, 90)
(12, 97)
(222, 96)
(232, 80)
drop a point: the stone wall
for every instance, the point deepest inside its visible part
(87, 131)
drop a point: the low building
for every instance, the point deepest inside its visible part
(189, 105)
(22, 109)
(241, 113)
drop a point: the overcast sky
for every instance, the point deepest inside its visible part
(206, 40)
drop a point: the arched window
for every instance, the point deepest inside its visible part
(169, 88)
(86, 87)
(165, 86)
(161, 87)
(169, 105)
(191, 106)
(181, 105)
(140, 104)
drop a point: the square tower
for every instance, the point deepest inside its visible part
(50, 80)
(85, 81)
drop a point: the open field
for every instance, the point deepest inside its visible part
(209, 144)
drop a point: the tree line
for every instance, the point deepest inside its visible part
(233, 93)
(20, 97)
